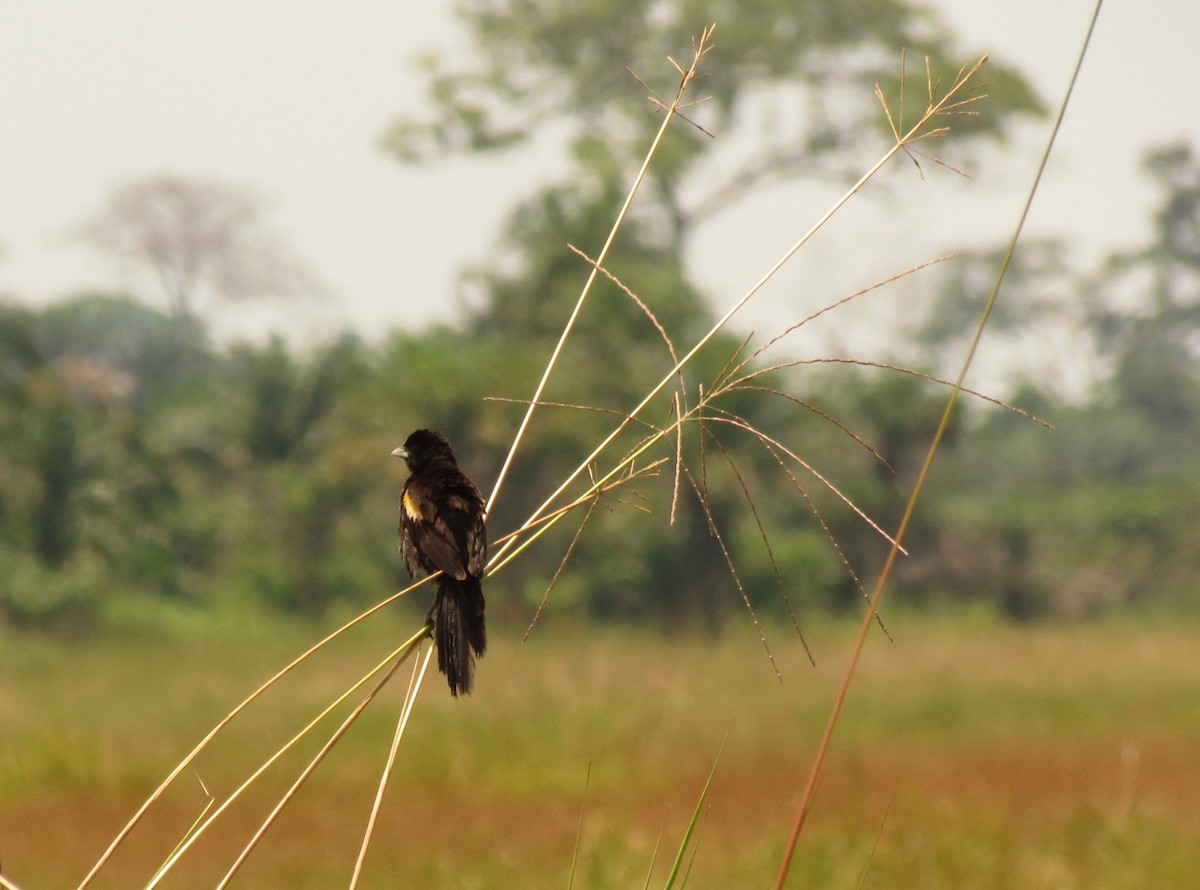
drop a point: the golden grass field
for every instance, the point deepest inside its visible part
(969, 755)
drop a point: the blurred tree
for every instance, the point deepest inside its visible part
(1038, 333)
(1148, 312)
(284, 401)
(1129, 328)
(792, 83)
(82, 494)
(198, 237)
(147, 353)
(790, 89)
(1099, 513)
(298, 470)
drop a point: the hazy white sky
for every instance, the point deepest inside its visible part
(290, 100)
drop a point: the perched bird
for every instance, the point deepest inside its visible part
(442, 530)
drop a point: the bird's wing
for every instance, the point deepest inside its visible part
(474, 535)
(430, 530)
(408, 548)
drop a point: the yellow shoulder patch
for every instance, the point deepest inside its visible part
(412, 509)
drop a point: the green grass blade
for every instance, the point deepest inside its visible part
(687, 835)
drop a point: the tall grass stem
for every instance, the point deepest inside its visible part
(910, 507)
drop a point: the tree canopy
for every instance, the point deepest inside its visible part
(146, 465)
(200, 239)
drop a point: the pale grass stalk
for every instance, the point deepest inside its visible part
(540, 518)
(899, 369)
(935, 108)
(641, 304)
(312, 766)
(595, 491)
(196, 827)
(195, 752)
(662, 828)
(919, 485)
(723, 386)
(410, 698)
(678, 408)
(766, 542)
(702, 496)
(543, 524)
(829, 307)
(824, 415)
(866, 866)
(587, 782)
(399, 655)
(562, 565)
(686, 77)
(829, 537)
(739, 423)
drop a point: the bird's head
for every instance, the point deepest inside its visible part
(422, 447)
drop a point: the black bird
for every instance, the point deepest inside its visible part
(442, 529)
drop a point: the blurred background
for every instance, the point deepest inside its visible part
(245, 250)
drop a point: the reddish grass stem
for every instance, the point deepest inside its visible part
(910, 507)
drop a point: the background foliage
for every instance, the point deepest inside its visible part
(149, 472)
(146, 468)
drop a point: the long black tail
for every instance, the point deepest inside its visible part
(458, 630)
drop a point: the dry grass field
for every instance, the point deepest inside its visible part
(969, 755)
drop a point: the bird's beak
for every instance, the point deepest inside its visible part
(401, 452)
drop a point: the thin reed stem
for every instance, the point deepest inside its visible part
(399, 656)
(686, 77)
(915, 132)
(309, 770)
(918, 487)
(250, 699)
(410, 699)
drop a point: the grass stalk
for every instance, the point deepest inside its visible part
(587, 784)
(410, 698)
(918, 487)
(212, 733)
(399, 656)
(196, 827)
(686, 77)
(543, 524)
(916, 132)
(315, 762)
(544, 517)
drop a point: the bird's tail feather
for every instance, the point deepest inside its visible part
(459, 631)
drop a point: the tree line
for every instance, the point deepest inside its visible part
(148, 471)
(147, 468)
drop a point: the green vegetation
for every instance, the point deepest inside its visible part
(148, 473)
(177, 518)
(971, 755)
